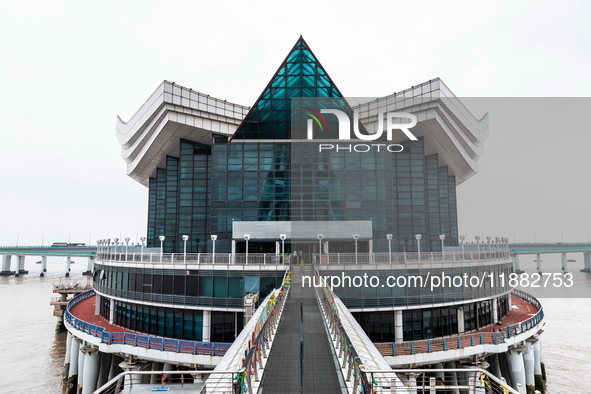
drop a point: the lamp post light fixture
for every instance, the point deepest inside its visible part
(355, 237)
(389, 238)
(478, 245)
(319, 236)
(418, 238)
(143, 239)
(442, 238)
(213, 239)
(161, 238)
(246, 238)
(282, 237)
(185, 239)
(462, 238)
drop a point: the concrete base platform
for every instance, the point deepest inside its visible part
(7, 273)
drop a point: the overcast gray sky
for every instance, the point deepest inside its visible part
(69, 67)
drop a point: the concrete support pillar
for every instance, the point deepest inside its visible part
(67, 356)
(103, 377)
(528, 363)
(233, 251)
(130, 365)
(155, 378)
(495, 366)
(537, 358)
(539, 262)
(325, 247)
(112, 311)
(461, 326)
(587, 260)
(81, 359)
(20, 266)
(206, 326)
(91, 369)
(516, 263)
(6, 265)
(114, 369)
(495, 309)
(563, 258)
(516, 368)
(411, 382)
(97, 305)
(451, 378)
(68, 262)
(370, 249)
(74, 351)
(398, 329)
(89, 266)
(43, 265)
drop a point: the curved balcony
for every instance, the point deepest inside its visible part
(515, 327)
(82, 323)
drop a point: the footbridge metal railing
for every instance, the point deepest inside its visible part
(346, 353)
(254, 361)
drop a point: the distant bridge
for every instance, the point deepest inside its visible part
(43, 251)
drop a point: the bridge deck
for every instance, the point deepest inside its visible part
(301, 358)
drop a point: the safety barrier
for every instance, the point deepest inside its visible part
(347, 354)
(143, 341)
(261, 336)
(462, 341)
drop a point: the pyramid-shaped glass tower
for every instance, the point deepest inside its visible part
(300, 76)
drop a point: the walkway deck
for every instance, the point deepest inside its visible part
(301, 359)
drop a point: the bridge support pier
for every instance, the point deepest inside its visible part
(89, 266)
(6, 265)
(495, 309)
(564, 266)
(43, 266)
(20, 266)
(68, 262)
(516, 264)
(587, 260)
(539, 263)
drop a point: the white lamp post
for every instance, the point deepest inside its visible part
(462, 237)
(126, 246)
(355, 237)
(143, 239)
(213, 239)
(161, 238)
(442, 238)
(319, 236)
(108, 241)
(418, 238)
(282, 237)
(185, 239)
(488, 240)
(246, 238)
(478, 245)
(116, 242)
(389, 238)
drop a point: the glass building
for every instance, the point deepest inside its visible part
(268, 171)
